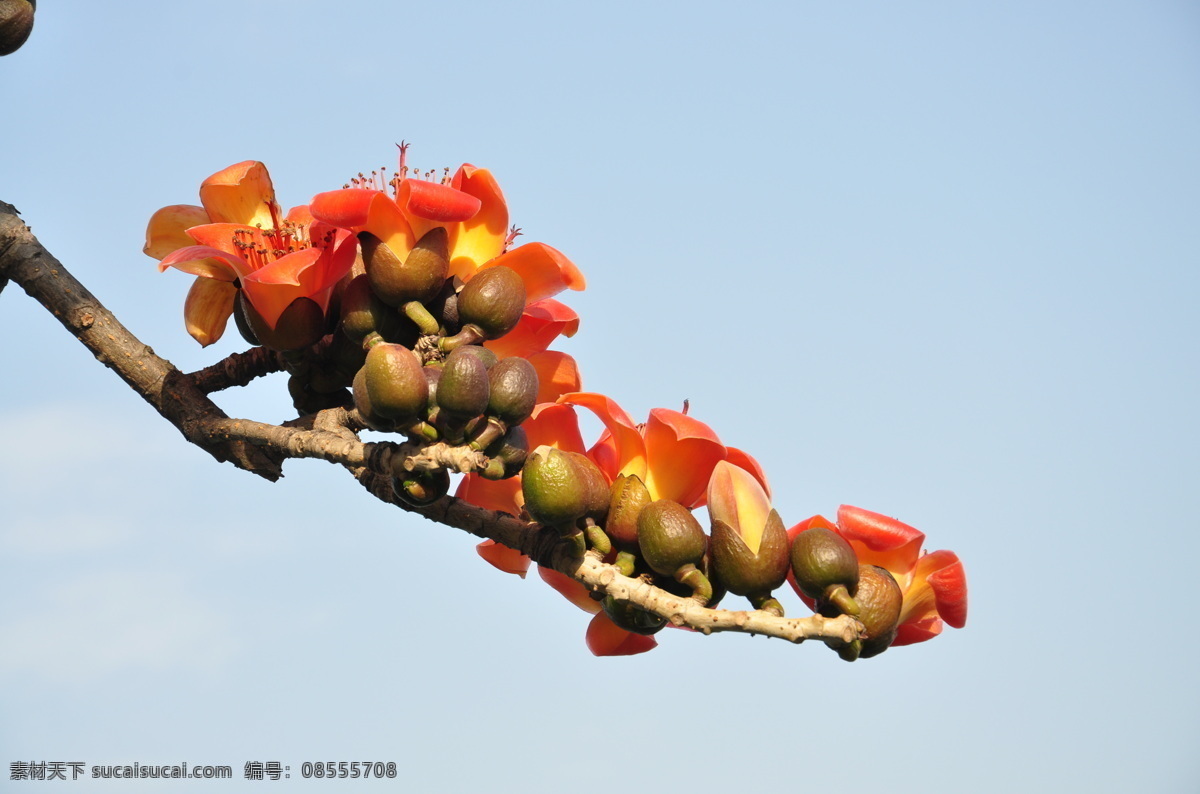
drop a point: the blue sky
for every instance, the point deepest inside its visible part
(935, 260)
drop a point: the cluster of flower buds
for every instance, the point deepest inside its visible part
(661, 540)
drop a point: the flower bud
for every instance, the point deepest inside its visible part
(554, 488)
(513, 384)
(879, 600)
(825, 567)
(749, 543)
(627, 498)
(363, 313)
(395, 383)
(462, 391)
(632, 618)
(421, 488)
(492, 301)
(670, 537)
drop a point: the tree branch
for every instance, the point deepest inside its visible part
(329, 435)
(174, 395)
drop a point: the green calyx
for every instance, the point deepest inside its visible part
(418, 277)
(744, 572)
(670, 537)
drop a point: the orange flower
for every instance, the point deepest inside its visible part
(238, 238)
(472, 210)
(934, 585)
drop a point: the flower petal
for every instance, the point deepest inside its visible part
(880, 540)
(359, 210)
(557, 372)
(554, 425)
(540, 324)
(504, 558)
(503, 496)
(545, 270)
(207, 309)
(574, 591)
(745, 461)
(272, 289)
(206, 261)
(736, 498)
(627, 441)
(948, 581)
(605, 638)
(241, 193)
(680, 455)
(480, 238)
(167, 229)
(917, 631)
(221, 236)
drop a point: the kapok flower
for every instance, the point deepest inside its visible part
(934, 584)
(239, 238)
(470, 207)
(749, 544)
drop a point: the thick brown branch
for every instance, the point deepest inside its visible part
(237, 369)
(174, 395)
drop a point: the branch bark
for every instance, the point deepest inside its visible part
(329, 435)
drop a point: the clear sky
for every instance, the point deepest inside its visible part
(937, 260)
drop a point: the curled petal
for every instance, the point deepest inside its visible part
(554, 425)
(429, 204)
(241, 193)
(481, 237)
(167, 229)
(918, 631)
(504, 558)
(880, 540)
(545, 270)
(680, 455)
(570, 589)
(206, 261)
(605, 638)
(503, 496)
(626, 441)
(744, 461)
(540, 324)
(943, 576)
(207, 308)
(557, 372)
(359, 210)
(272, 289)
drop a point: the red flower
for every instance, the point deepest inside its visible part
(472, 210)
(934, 585)
(240, 238)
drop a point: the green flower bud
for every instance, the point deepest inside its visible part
(748, 573)
(395, 383)
(492, 301)
(825, 567)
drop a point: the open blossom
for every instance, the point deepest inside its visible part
(239, 238)
(470, 207)
(934, 584)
